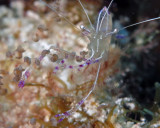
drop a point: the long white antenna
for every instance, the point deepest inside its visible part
(86, 14)
(93, 86)
(139, 23)
(98, 21)
(60, 15)
(110, 4)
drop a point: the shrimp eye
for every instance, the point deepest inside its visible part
(82, 27)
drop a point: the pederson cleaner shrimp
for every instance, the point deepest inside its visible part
(100, 38)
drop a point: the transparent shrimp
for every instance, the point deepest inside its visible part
(100, 38)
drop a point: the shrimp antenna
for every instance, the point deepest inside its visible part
(93, 87)
(105, 15)
(60, 15)
(109, 5)
(86, 14)
(139, 23)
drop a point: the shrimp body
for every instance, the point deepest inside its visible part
(101, 37)
(98, 48)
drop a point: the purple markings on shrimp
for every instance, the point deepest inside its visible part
(27, 74)
(81, 65)
(55, 69)
(96, 61)
(62, 61)
(60, 120)
(71, 67)
(21, 84)
(88, 63)
(105, 8)
(58, 115)
(81, 102)
(120, 36)
(66, 113)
